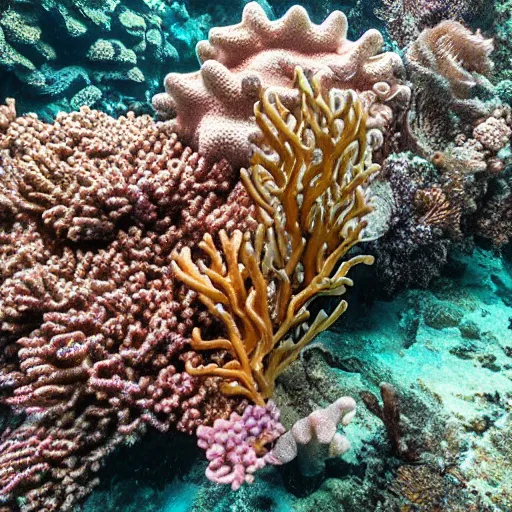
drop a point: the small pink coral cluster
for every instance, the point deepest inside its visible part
(236, 447)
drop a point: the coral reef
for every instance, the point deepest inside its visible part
(413, 250)
(71, 53)
(185, 273)
(214, 106)
(94, 324)
(405, 19)
(260, 286)
(460, 417)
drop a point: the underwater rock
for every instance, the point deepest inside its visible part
(441, 314)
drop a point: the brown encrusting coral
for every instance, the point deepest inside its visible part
(94, 326)
(309, 184)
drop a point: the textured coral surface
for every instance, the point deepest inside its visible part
(93, 324)
(214, 106)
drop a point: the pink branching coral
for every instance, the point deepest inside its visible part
(214, 106)
(236, 447)
(95, 327)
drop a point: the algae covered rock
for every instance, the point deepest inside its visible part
(442, 314)
(116, 46)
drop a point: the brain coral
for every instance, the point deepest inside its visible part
(214, 106)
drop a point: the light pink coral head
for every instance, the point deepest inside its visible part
(214, 107)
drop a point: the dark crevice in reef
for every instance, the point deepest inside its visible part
(176, 456)
(346, 364)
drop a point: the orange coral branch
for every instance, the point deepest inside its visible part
(308, 184)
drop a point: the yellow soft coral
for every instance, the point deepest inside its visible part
(309, 184)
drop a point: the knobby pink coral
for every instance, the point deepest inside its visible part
(315, 438)
(94, 324)
(236, 447)
(214, 106)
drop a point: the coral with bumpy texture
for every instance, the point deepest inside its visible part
(214, 106)
(95, 326)
(492, 133)
(314, 438)
(235, 447)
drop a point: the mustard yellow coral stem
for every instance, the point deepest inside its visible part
(311, 200)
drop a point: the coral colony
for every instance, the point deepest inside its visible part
(162, 274)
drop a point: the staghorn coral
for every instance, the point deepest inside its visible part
(94, 325)
(214, 106)
(309, 186)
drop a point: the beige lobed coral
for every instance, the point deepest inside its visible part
(214, 106)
